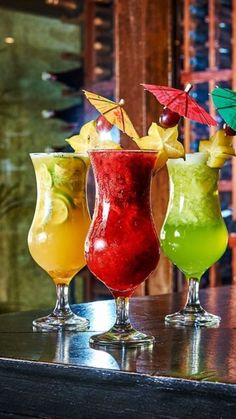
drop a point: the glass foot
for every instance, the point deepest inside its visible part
(192, 316)
(121, 337)
(54, 322)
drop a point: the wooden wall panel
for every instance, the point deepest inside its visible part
(143, 40)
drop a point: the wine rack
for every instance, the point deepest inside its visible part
(207, 46)
(99, 46)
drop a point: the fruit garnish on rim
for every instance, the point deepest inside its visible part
(97, 134)
(89, 138)
(82, 141)
(163, 140)
(219, 149)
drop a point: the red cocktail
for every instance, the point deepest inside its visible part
(122, 248)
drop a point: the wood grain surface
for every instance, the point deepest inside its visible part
(143, 51)
(188, 373)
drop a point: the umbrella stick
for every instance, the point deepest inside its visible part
(188, 87)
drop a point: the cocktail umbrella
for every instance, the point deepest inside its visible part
(180, 102)
(113, 112)
(225, 103)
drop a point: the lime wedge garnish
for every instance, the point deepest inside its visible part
(54, 209)
(45, 177)
(64, 196)
(59, 211)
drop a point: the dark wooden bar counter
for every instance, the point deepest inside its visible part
(189, 373)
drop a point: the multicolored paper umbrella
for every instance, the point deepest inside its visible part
(225, 103)
(180, 102)
(113, 112)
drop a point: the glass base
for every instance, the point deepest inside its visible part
(193, 316)
(54, 322)
(121, 337)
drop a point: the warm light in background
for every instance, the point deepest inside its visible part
(52, 2)
(9, 40)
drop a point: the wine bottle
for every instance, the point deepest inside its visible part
(224, 57)
(199, 62)
(102, 47)
(100, 22)
(70, 5)
(200, 95)
(72, 115)
(199, 37)
(102, 73)
(224, 25)
(198, 11)
(72, 78)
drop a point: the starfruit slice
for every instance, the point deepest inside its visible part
(163, 140)
(219, 149)
(85, 139)
(89, 139)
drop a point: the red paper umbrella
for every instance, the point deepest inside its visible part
(179, 101)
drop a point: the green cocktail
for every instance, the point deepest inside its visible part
(194, 235)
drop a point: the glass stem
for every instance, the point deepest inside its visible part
(122, 312)
(62, 306)
(193, 301)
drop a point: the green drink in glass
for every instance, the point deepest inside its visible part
(193, 235)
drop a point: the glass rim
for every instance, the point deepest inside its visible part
(59, 154)
(123, 150)
(198, 157)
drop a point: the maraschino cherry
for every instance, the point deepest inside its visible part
(168, 118)
(228, 130)
(102, 124)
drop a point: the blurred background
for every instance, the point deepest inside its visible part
(49, 51)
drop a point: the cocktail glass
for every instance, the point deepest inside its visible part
(57, 234)
(122, 248)
(193, 235)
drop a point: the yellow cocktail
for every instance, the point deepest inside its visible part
(61, 221)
